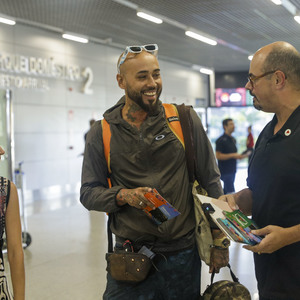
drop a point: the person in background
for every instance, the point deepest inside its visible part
(250, 143)
(10, 224)
(273, 193)
(250, 140)
(145, 154)
(226, 154)
(92, 122)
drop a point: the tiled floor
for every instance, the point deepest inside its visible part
(66, 258)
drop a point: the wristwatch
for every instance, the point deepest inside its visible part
(222, 243)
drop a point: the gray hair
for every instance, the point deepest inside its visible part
(287, 60)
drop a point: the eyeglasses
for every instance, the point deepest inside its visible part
(151, 48)
(252, 78)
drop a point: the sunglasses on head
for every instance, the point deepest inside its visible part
(151, 48)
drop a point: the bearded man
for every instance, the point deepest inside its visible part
(145, 154)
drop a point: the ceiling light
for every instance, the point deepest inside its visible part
(277, 2)
(297, 18)
(201, 38)
(75, 38)
(206, 71)
(7, 21)
(250, 57)
(149, 17)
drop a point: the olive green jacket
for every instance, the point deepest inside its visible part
(149, 157)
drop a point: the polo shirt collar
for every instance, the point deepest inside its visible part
(289, 126)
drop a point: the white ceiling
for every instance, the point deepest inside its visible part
(240, 26)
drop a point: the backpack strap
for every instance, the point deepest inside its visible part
(173, 121)
(234, 278)
(186, 125)
(106, 137)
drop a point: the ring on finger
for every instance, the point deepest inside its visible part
(141, 203)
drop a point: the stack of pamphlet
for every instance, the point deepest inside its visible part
(164, 210)
(238, 227)
(234, 224)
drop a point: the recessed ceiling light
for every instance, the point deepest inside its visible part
(297, 19)
(7, 21)
(206, 71)
(149, 17)
(277, 2)
(75, 38)
(200, 38)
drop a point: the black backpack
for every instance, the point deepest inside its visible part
(226, 289)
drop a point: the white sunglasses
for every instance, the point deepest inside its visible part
(151, 48)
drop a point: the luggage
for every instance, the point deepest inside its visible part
(226, 289)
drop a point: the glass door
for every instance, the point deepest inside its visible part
(243, 117)
(6, 134)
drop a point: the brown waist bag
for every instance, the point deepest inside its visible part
(128, 266)
(124, 265)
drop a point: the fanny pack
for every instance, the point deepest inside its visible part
(126, 266)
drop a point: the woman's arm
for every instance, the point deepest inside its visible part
(14, 244)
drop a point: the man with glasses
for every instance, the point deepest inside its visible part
(145, 154)
(273, 193)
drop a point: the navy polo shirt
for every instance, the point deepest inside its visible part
(274, 178)
(226, 144)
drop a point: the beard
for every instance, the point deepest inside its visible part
(255, 102)
(137, 97)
